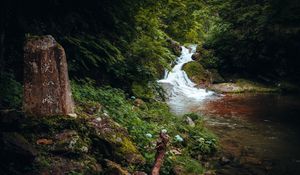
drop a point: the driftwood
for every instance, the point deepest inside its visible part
(161, 148)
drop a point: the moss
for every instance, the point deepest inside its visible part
(242, 85)
(106, 130)
(142, 90)
(196, 72)
(186, 165)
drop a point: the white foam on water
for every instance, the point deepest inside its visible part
(179, 87)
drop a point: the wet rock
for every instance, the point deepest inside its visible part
(70, 142)
(196, 56)
(46, 82)
(115, 169)
(113, 140)
(226, 88)
(15, 146)
(61, 165)
(242, 85)
(175, 46)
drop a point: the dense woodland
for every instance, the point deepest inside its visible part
(118, 49)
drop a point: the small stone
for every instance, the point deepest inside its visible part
(190, 122)
(119, 139)
(149, 135)
(178, 138)
(73, 115)
(176, 151)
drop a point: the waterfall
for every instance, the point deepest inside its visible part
(180, 90)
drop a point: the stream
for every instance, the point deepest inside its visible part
(259, 134)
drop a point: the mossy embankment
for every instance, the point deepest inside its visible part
(112, 133)
(203, 71)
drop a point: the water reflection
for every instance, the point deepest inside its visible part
(260, 132)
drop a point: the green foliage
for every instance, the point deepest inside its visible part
(11, 91)
(201, 141)
(191, 166)
(257, 37)
(150, 57)
(190, 21)
(145, 123)
(208, 58)
(142, 90)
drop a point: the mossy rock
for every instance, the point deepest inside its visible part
(69, 142)
(241, 86)
(175, 46)
(196, 73)
(215, 76)
(112, 168)
(116, 139)
(49, 164)
(143, 90)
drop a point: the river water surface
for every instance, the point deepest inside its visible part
(258, 133)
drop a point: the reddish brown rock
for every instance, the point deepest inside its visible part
(46, 82)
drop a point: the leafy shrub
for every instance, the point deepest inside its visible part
(11, 91)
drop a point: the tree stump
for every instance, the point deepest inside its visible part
(47, 89)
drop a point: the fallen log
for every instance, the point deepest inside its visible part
(161, 148)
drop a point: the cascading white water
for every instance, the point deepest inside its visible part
(180, 89)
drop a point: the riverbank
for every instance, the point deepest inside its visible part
(210, 79)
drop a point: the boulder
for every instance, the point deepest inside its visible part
(175, 46)
(113, 140)
(196, 56)
(63, 165)
(69, 141)
(46, 82)
(115, 169)
(215, 76)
